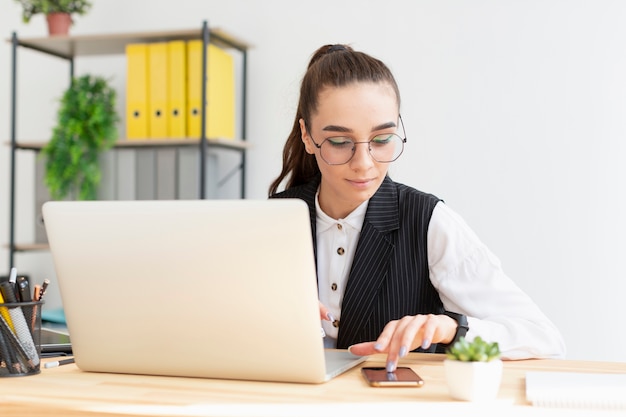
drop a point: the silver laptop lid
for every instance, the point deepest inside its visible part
(204, 288)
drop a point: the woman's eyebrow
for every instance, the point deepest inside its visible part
(343, 129)
(383, 126)
(334, 128)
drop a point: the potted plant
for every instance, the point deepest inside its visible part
(58, 12)
(86, 126)
(473, 369)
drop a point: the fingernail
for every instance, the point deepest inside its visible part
(391, 367)
(403, 351)
(425, 344)
(330, 317)
(378, 347)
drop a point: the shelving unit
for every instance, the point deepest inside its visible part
(71, 47)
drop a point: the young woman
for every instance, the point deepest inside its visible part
(397, 269)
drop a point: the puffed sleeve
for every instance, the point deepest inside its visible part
(470, 280)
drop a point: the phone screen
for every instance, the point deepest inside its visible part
(401, 377)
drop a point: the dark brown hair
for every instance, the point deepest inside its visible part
(330, 66)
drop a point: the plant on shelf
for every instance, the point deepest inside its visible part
(473, 369)
(86, 127)
(58, 12)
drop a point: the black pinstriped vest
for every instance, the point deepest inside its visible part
(389, 277)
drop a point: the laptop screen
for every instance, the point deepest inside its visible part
(206, 288)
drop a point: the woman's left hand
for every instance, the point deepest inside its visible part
(399, 337)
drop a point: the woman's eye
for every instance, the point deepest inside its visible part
(340, 141)
(382, 139)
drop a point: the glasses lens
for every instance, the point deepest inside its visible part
(386, 148)
(383, 148)
(337, 150)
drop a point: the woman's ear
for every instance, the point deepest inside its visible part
(306, 139)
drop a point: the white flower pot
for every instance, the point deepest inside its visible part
(473, 381)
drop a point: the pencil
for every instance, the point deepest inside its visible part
(43, 289)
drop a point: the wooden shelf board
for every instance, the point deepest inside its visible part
(235, 144)
(115, 43)
(30, 247)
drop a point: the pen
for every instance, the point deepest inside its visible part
(58, 363)
(23, 290)
(36, 292)
(13, 275)
(22, 287)
(44, 287)
(13, 280)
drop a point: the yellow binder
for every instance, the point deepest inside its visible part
(220, 114)
(177, 89)
(136, 91)
(157, 90)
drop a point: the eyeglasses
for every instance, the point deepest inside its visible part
(384, 148)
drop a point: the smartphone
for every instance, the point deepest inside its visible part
(401, 377)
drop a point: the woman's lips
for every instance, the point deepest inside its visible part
(361, 183)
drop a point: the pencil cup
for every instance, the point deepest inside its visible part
(20, 335)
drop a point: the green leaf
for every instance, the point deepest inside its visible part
(477, 350)
(86, 127)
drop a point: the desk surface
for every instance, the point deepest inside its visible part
(68, 391)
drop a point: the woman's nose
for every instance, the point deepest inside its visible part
(362, 156)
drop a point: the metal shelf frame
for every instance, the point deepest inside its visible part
(71, 47)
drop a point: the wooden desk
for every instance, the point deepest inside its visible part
(68, 391)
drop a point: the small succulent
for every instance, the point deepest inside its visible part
(477, 350)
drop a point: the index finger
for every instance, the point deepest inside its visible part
(324, 312)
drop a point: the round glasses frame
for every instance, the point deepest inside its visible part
(369, 146)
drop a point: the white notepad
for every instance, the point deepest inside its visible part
(576, 390)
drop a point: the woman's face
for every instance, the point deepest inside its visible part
(358, 111)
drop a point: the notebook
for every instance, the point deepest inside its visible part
(576, 389)
(205, 288)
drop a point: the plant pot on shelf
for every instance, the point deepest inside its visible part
(59, 23)
(473, 381)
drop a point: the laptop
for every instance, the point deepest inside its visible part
(205, 288)
(55, 342)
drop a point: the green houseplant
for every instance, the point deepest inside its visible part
(86, 126)
(473, 369)
(58, 12)
(477, 350)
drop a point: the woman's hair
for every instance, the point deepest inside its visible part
(330, 66)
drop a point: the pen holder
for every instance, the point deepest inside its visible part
(20, 334)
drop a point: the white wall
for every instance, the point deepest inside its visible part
(514, 112)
